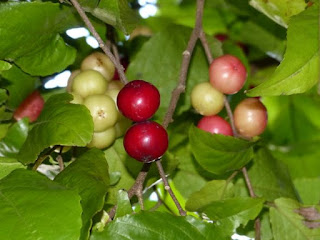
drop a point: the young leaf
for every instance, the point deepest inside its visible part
(218, 153)
(89, 176)
(287, 224)
(14, 139)
(34, 207)
(279, 11)
(154, 225)
(60, 123)
(299, 70)
(270, 177)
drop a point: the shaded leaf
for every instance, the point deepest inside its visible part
(123, 204)
(60, 123)
(31, 205)
(308, 189)
(89, 176)
(219, 153)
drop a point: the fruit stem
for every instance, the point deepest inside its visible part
(102, 45)
(40, 159)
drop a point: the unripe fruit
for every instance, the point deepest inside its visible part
(138, 100)
(113, 93)
(215, 125)
(89, 82)
(250, 117)
(115, 84)
(103, 139)
(77, 99)
(103, 111)
(70, 80)
(206, 100)
(99, 62)
(122, 126)
(227, 74)
(146, 141)
(31, 107)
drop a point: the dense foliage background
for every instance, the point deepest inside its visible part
(277, 40)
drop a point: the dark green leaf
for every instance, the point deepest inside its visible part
(279, 11)
(299, 70)
(30, 33)
(4, 66)
(3, 96)
(60, 123)
(7, 165)
(153, 225)
(14, 139)
(18, 84)
(287, 224)
(308, 189)
(33, 207)
(270, 177)
(213, 191)
(219, 153)
(89, 176)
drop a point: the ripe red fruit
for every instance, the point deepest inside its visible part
(250, 117)
(138, 100)
(146, 141)
(31, 107)
(215, 125)
(227, 74)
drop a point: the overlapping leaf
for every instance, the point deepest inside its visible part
(60, 123)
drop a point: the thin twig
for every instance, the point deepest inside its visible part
(41, 158)
(230, 115)
(60, 162)
(168, 188)
(248, 182)
(205, 46)
(102, 45)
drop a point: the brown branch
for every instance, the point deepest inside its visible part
(102, 45)
(205, 46)
(60, 161)
(41, 158)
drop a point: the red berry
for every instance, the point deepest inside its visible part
(138, 100)
(215, 125)
(146, 141)
(227, 74)
(31, 107)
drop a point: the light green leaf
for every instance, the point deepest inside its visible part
(163, 54)
(299, 70)
(34, 207)
(287, 224)
(214, 190)
(89, 176)
(7, 165)
(34, 28)
(219, 153)
(4, 66)
(18, 84)
(279, 11)
(123, 204)
(60, 123)
(153, 225)
(270, 177)
(14, 139)
(308, 189)
(116, 13)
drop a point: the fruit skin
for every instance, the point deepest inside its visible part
(250, 117)
(103, 111)
(206, 100)
(103, 139)
(99, 62)
(138, 100)
(215, 125)
(31, 107)
(146, 141)
(70, 80)
(227, 74)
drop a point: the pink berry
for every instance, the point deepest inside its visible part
(215, 125)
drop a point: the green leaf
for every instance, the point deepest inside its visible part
(299, 70)
(34, 207)
(14, 139)
(34, 28)
(4, 66)
(230, 213)
(18, 84)
(287, 224)
(213, 191)
(163, 54)
(279, 11)
(123, 204)
(152, 225)
(116, 13)
(7, 165)
(219, 153)
(60, 123)
(3, 96)
(89, 176)
(270, 177)
(308, 189)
